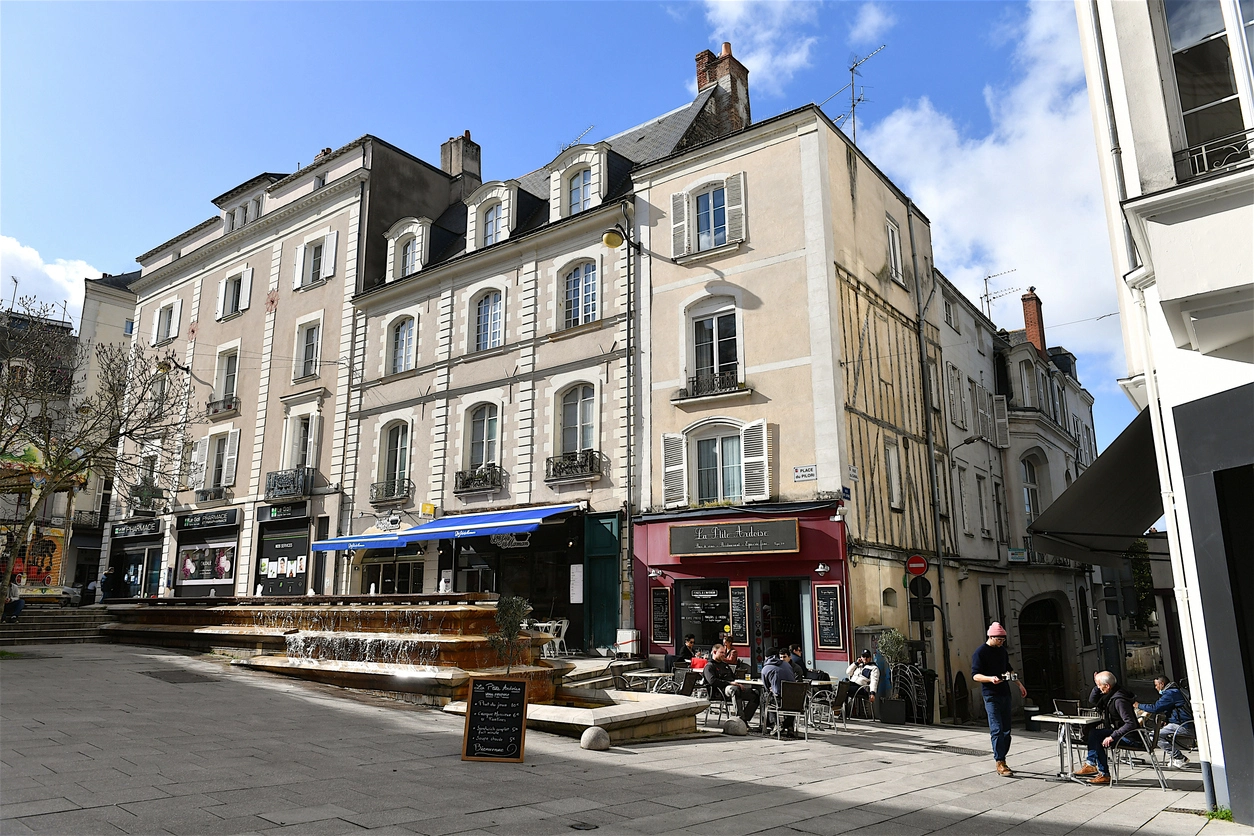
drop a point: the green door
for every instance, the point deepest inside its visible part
(600, 580)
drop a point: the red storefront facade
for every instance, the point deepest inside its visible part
(776, 575)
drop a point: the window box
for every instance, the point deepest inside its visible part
(394, 490)
(488, 478)
(584, 466)
(293, 483)
(222, 408)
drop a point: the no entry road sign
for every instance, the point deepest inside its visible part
(916, 564)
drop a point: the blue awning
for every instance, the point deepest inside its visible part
(381, 540)
(517, 521)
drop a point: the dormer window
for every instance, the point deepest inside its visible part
(581, 190)
(409, 257)
(407, 247)
(577, 180)
(492, 225)
(320, 180)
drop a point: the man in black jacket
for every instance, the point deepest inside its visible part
(1119, 717)
(720, 677)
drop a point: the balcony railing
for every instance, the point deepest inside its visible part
(87, 519)
(713, 383)
(582, 466)
(211, 495)
(222, 406)
(295, 483)
(484, 479)
(393, 490)
(1217, 154)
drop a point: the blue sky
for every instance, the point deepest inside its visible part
(119, 122)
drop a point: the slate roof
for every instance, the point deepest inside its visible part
(660, 137)
(121, 281)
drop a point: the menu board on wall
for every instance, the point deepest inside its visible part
(496, 720)
(740, 614)
(661, 614)
(829, 625)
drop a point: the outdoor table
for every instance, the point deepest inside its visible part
(646, 678)
(759, 686)
(1066, 757)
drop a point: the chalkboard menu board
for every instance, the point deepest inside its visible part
(661, 614)
(828, 621)
(740, 614)
(496, 720)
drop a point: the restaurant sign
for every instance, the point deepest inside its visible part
(209, 519)
(751, 537)
(138, 528)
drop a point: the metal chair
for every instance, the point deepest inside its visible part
(822, 706)
(1077, 736)
(1139, 741)
(559, 644)
(718, 702)
(1184, 738)
(682, 683)
(791, 702)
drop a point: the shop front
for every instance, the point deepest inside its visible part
(135, 555)
(205, 557)
(283, 564)
(774, 577)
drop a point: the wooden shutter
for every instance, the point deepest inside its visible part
(200, 455)
(299, 267)
(390, 272)
(951, 382)
(230, 459)
(755, 461)
(1001, 419)
(245, 288)
(679, 224)
(311, 451)
(175, 317)
(156, 326)
(221, 297)
(734, 201)
(674, 470)
(328, 255)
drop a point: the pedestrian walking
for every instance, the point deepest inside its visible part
(990, 666)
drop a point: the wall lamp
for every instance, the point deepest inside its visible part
(614, 236)
(656, 573)
(822, 569)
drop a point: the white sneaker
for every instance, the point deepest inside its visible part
(1180, 762)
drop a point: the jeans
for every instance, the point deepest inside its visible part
(14, 608)
(1097, 752)
(998, 708)
(1164, 739)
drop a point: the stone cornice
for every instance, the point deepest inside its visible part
(265, 224)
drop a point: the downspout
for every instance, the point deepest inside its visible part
(1156, 423)
(628, 227)
(929, 433)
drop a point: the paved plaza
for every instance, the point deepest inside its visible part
(117, 739)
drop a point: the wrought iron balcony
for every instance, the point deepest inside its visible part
(1216, 154)
(713, 383)
(484, 479)
(393, 490)
(583, 466)
(295, 483)
(222, 407)
(211, 495)
(87, 519)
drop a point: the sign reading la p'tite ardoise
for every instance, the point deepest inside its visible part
(749, 537)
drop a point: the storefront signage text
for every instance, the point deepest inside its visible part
(209, 519)
(142, 528)
(805, 473)
(291, 510)
(756, 537)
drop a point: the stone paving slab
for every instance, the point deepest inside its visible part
(89, 743)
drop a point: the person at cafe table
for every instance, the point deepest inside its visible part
(729, 650)
(1117, 706)
(776, 670)
(720, 676)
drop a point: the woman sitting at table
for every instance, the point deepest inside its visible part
(729, 651)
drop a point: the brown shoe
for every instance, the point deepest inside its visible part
(1099, 781)
(1088, 770)
(1004, 771)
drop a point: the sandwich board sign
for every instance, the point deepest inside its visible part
(496, 720)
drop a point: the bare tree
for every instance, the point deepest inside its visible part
(68, 409)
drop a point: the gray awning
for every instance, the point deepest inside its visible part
(1110, 506)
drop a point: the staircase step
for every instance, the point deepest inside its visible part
(10, 641)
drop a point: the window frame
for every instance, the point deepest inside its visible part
(895, 261)
(486, 338)
(1031, 489)
(402, 358)
(710, 193)
(584, 274)
(490, 442)
(893, 472)
(584, 174)
(713, 306)
(394, 459)
(303, 366)
(585, 425)
(491, 217)
(225, 373)
(720, 434)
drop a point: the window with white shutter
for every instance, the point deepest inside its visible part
(755, 461)
(200, 457)
(231, 459)
(708, 216)
(892, 468)
(674, 470)
(679, 225)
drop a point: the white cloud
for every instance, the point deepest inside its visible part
(767, 36)
(1027, 195)
(52, 282)
(873, 20)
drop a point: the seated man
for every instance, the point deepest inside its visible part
(1175, 706)
(719, 678)
(14, 605)
(864, 673)
(775, 671)
(797, 662)
(1118, 718)
(686, 653)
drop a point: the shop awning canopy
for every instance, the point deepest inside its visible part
(1110, 506)
(517, 521)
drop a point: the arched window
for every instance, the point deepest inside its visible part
(1031, 496)
(577, 423)
(402, 346)
(396, 459)
(580, 190)
(492, 224)
(488, 321)
(890, 597)
(483, 436)
(581, 295)
(409, 257)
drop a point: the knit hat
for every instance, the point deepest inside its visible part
(995, 629)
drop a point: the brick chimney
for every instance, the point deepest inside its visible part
(732, 79)
(1033, 321)
(460, 158)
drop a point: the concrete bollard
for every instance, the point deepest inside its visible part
(736, 727)
(595, 738)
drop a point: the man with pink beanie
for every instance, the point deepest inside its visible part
(990, 665)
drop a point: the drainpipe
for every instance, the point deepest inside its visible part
(929, 433)
(632, 250)
(1156, 423)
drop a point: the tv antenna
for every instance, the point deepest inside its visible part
(855, 98)
(13, 302)
(575, 141)
(986, 299)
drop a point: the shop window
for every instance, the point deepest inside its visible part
(206, 563)
(704, 610)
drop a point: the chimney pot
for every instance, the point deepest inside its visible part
(1034, 320)
(726, 49)
(460, 156)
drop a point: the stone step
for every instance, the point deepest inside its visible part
(53, 638)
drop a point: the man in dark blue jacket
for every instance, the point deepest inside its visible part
(775, 672)
(1172, 703)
